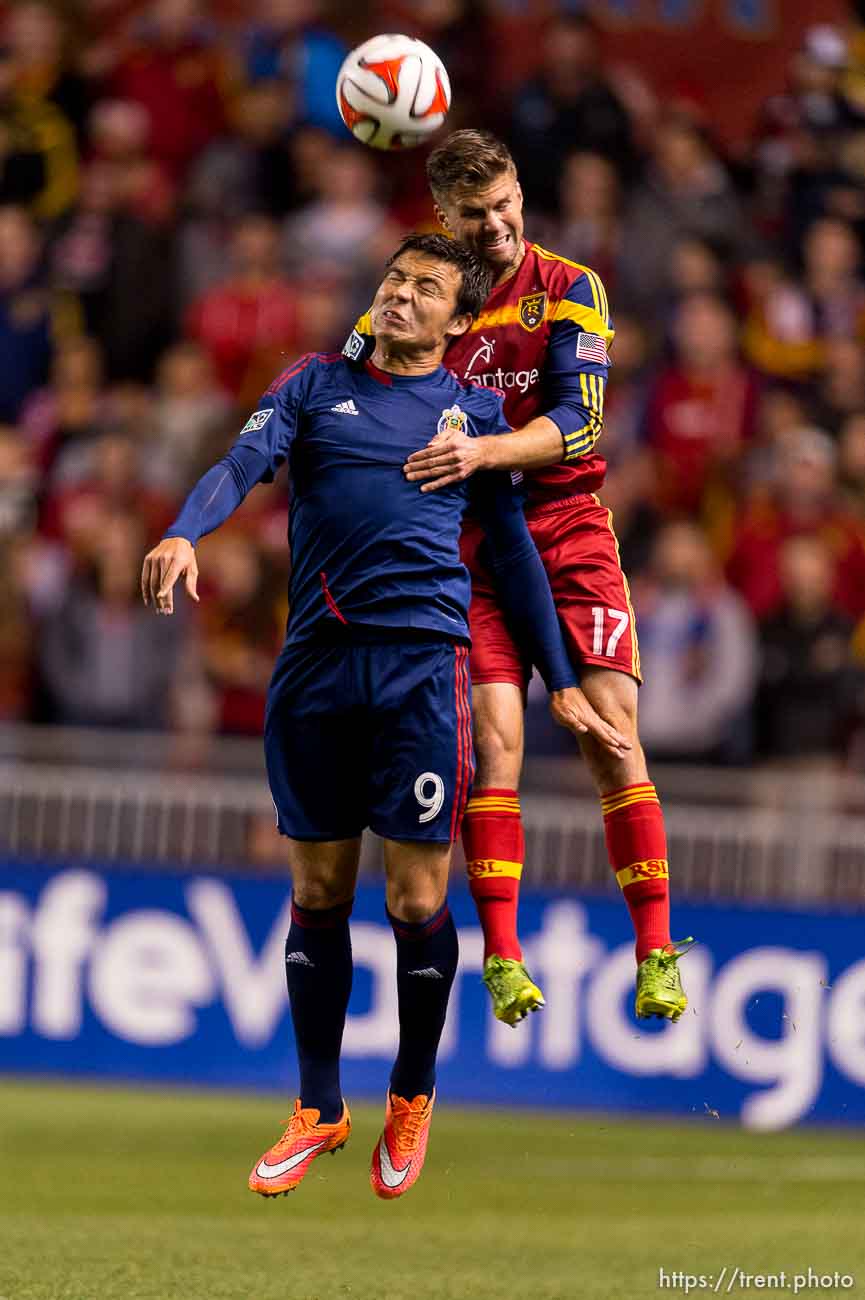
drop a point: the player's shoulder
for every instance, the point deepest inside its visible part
(564, 278)
(555, 268)
(311, 367)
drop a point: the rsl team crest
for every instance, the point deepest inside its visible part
(531, 309)
(452, 420)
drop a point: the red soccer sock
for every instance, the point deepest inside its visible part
(494, 846)
(637, 849)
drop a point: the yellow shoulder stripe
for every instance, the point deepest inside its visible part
(364, 323)
(501, 316)
(596, 284)
(586, 317)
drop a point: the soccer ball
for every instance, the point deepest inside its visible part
(393, 92)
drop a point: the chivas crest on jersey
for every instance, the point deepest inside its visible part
(453, 420)
(532, 309)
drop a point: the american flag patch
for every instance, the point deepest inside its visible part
(591, 347)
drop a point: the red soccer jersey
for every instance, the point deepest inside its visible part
(543, 339)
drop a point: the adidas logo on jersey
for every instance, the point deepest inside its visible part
(346, 408)
(428, 972)
(298, 959)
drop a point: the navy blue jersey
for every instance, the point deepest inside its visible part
(368, 547)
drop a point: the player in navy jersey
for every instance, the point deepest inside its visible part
(368, 717)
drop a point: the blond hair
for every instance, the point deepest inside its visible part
(468, 160)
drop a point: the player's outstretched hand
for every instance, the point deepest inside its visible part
(571, 709)
(173, 558)
(449, 458)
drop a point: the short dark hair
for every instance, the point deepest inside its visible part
(467, 160)
(477, 277)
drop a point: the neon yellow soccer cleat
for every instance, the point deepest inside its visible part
(511, 988)
(659, 985)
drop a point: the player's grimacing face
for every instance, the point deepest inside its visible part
(489, 220)
(416, 302)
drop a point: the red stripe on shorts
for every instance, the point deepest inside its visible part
(464, 740)
(459, 767)
(470, 758)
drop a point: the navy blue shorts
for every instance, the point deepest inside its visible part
(373, 734)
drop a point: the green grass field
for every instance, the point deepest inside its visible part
(132, 1195)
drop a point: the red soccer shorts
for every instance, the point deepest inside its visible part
(578, 546)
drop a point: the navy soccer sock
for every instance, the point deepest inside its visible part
(426, 962)
(318, 973)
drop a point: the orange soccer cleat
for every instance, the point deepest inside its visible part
(401, 1150)
(287, 1162)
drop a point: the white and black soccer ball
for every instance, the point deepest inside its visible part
(393, 92)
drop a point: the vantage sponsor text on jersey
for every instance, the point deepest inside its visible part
(505, 379)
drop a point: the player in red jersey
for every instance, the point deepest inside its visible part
(543, 337)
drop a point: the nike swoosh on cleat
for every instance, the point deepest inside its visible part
(389, 1176)
(265, 1170)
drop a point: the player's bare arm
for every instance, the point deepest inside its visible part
(451, 458)
(166, 564)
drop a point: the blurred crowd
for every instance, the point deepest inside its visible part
(181, 212)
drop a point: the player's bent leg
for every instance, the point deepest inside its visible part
(636, 843)
(318, 972)
(492, 829)
(427, 952)
(494, 845)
